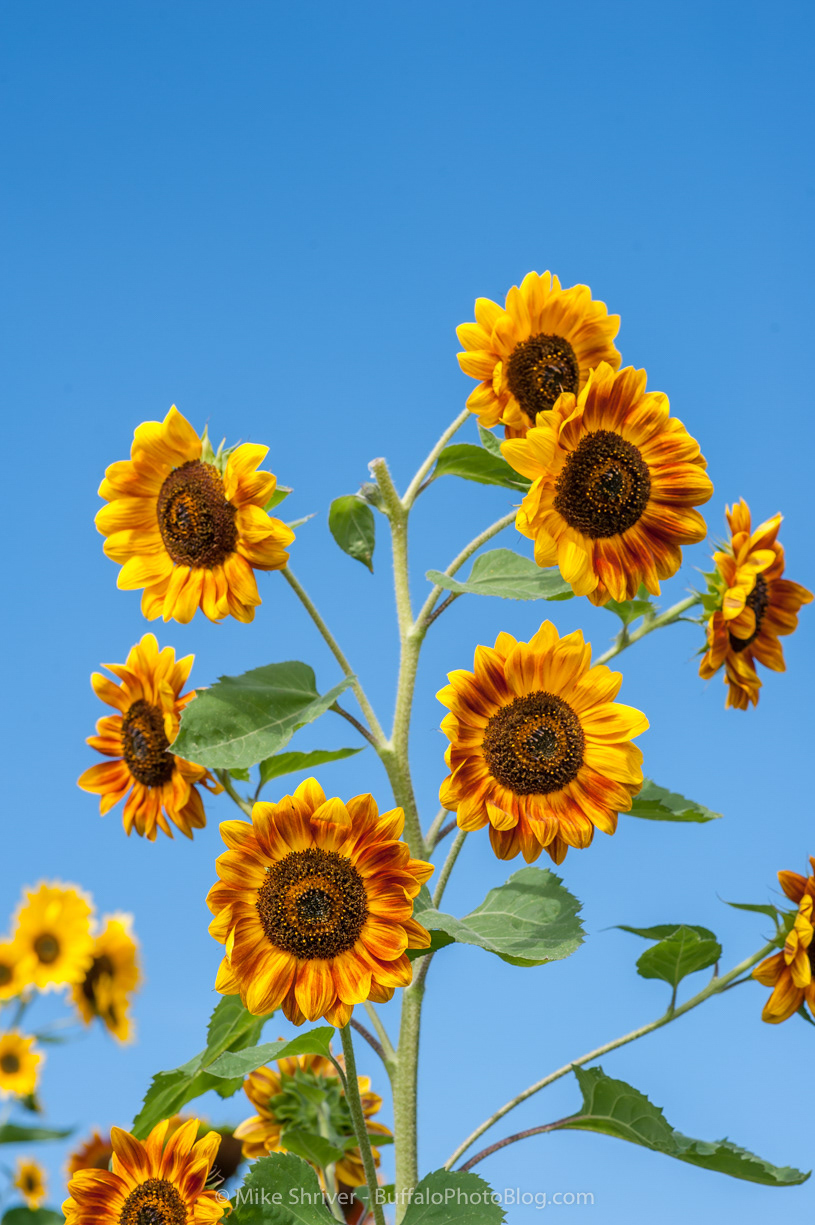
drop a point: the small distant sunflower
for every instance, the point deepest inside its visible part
(315, 905)
(30, 1181)
(13, 978)
(285, 1098)
(539, 750)
(111, 978)
(92, 1154)
(20, 1061)
(54, 934)
(186, 531)
(791, 973)
(751, 606)
(542, 343)
(614, 482)
(150, 1183)
(150, 702)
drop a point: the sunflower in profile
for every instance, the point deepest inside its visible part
(791, 973)
(539, 750)
(54, 934)
(151, 1183)
(94, 1153)
(751, 606)
(614, 482)
(315, 906)
(544, 341)
(111, 978)
(30, 1181)
(20, 1061)
(190, 532)
(13, 978)
(149, 702)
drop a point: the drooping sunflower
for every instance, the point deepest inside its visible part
(13, 978)
(190, 532)
(162, 787)
(149, 1183)
(94, 1153)
(315, 905)
(614, 482)
(791, 972)
(30, 1181)
(111, 978)
(20, 1062)
(539, 750)
(54, 934)
(751, 606)
(544, 341)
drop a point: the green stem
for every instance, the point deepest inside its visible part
(447, 868)
(414, 488)
(360, 1125)
(405, 1092)
(229, 788)
(626, 639)
(423, 619)
(391, 1057)
(714, 987)
(432, 836)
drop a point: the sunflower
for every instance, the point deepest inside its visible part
(543, 342)
(54, 934)
(791, 973)
(315, 905)
(539, 749)
(149, 1183)
(190, 532)
(111, 977)
(305, 1093)
(13, 978)
(614, 482)
(229, 1156)
(751, 606)
(30, 1181)
(92, 1154)
(20, 1060)
(149, 702)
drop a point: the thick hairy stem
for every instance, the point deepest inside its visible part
(425, 616)
(415, 486)
(360, 1126)
(405, 1094)
(626, 639)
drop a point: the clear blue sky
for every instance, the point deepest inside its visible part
(274, 216)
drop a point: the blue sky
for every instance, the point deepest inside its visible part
(275, 216)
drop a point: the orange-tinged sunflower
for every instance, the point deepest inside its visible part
(190, 532)
(751, 606)
(791, 973)
(54, 934)
(13, 976)
(542, 343)
(315, 904)
(163, 787)
(230, 1153)
(539, 750)
(20, 1061)
(94, 1153)
(150, 1183)
(614, 482)
(111, 978)
(30, 1181)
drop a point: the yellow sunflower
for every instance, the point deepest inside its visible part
(30, 1181)
(315, 905)
(20, 1061)
(149, 702)
(791, 973)
(111, 978)
(615, 479)
(13, 976)
(92, 1154)
(150, 1183)
(188, 533)
(539, 750)
(286, 1098)
(751, 606)
(545, 341)
(229, 1155)
(54, 934)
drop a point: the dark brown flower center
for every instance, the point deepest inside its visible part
(313, 904)
(6, 974)
(604, 486)
(759, 601)
(101, 967)
(30, 1183)
(47, 948)
(9, 1063)
(154, 1202)
(145, 745)
(534, 745)
(539, 369)
(196, 522)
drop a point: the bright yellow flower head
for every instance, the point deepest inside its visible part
(13, 976)
(54, 934)
(791, 973)
(190, 535)
(20, 1062)
(112, 977)
(30, 1181)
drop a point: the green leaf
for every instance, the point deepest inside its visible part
(477, 464)
(32, 1216)
(802, 1012)
(509, 575)
(290, 763)
(240, 1063)
(242, 720)
(683, 952)
(662, 930)
(315, 1149)
(453, 1197)
(240, 774)
(489, 441)
(280, 1189)
(14, 1133)
(772, 912)
(529, 920)
(351, 523)
(630, 610)
(281, 492)
(658, 804)
(614, 1108)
